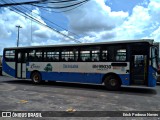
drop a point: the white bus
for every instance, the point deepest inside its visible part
(132, 62)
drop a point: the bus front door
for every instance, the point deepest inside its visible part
(139, 70)
(21, 65)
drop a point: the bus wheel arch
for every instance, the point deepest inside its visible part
(112, 81)
(36, 77)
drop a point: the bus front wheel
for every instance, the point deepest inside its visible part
(112, 82)
(36, 78)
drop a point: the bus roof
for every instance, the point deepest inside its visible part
(150, 41)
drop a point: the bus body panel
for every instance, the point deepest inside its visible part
(152, 79)
(9, 69)
(78, 72)
(125, 78)
(78, 67)
(84, 63)
(78, 77)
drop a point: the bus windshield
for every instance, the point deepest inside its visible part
(154, 58)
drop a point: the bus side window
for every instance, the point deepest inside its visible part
(121, 55)
(10, 55)
(104, 55)
(69, 55)
(95, 55)
(64, 56)
(85, 55)
(38, 57)
(52, 56)
(25, 57)
(31, 55)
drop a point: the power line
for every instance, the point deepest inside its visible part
(34, 3)
(30, 17)
(59, 1)
(37, 21)
(22, 3)
(47, 1)
(62, 7)
(61, 11)
(53, 23)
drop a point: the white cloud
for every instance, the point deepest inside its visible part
(40, 35)
(98, 22)
(98, 36)
(135, 25)
(142, 23)
(156, 34)
(94, 16)
(154, 9)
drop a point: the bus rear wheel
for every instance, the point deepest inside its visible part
(36, 78)
(112, 82)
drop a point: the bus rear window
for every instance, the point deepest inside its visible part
(10, 55)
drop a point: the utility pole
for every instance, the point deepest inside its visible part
(18, 26)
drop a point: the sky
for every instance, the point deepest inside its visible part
(95, 21)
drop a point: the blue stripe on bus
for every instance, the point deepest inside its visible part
(125, 78)
(151, 79)
(83, 77)
(78, 77)
(7, 69)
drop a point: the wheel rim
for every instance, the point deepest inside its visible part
(35, 78)
(113, 82)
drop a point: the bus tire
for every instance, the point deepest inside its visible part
(112, 82)
(36, 78)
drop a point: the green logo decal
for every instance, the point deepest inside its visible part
(48, 67)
